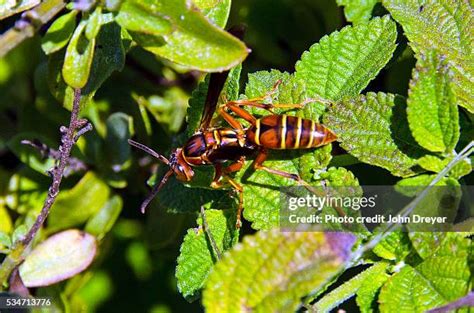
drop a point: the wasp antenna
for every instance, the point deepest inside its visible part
(148, 150)
(154, 191)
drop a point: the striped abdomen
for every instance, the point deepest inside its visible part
(289, 132)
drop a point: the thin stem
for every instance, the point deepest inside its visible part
(408, 209)
(29, 23)
(67, 141)
(75, 165)
(207, 231)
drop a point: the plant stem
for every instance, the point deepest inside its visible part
(349, 288)
(408, 209)
(30, 22)
(68, 139)
(207, 231)
(75, 165)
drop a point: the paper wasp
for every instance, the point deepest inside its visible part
(218, 145)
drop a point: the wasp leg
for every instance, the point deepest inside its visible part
(234, 167)
(239, 189)
(217, 176)
(262, 98)
(232, 121)
(258, 165)
(236, 105)
(216, 183)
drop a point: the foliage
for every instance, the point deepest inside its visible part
(395, 87)
(44, 265)
(309, 259)
(444, 27)
(196, 259)
(367, 131)
(432, 111)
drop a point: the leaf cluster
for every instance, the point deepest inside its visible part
(405, 134)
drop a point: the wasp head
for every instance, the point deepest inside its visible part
(177, 164)
(180, 167)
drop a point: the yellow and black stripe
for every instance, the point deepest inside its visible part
(289, 132)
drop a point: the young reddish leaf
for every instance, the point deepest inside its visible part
(59, 257)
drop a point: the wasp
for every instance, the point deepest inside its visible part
(218, 146)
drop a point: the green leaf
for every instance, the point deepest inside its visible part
(78, 59)
(357, 10)
(6, 225)
(447, 27)
(368, 291)
(116, 144)
(197, 256)
(439, 279)
(250, 276)
(144, 16)
(231, 88)
(103, 221)
(343, 63)
(29, 155)
(442, 200)
(138, 258)
(58, 258)
(461, 169)
(426, 243)
(109, 56)
(93, 23)
(59, 33)
(77, 205)
(26, 191)
(333, 178)
(434, 164)
(206, 4)
(217, 13)
(432, 111)
(373, 128)
(168, 109)
(407, 186)
(195, 42)
(394, 247)
(376, 275)
(19, 233)
(339, 177)
(291, 90)
(262, 198)
(192, 200)
(5, 240)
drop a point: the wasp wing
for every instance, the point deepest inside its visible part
(216, 84)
